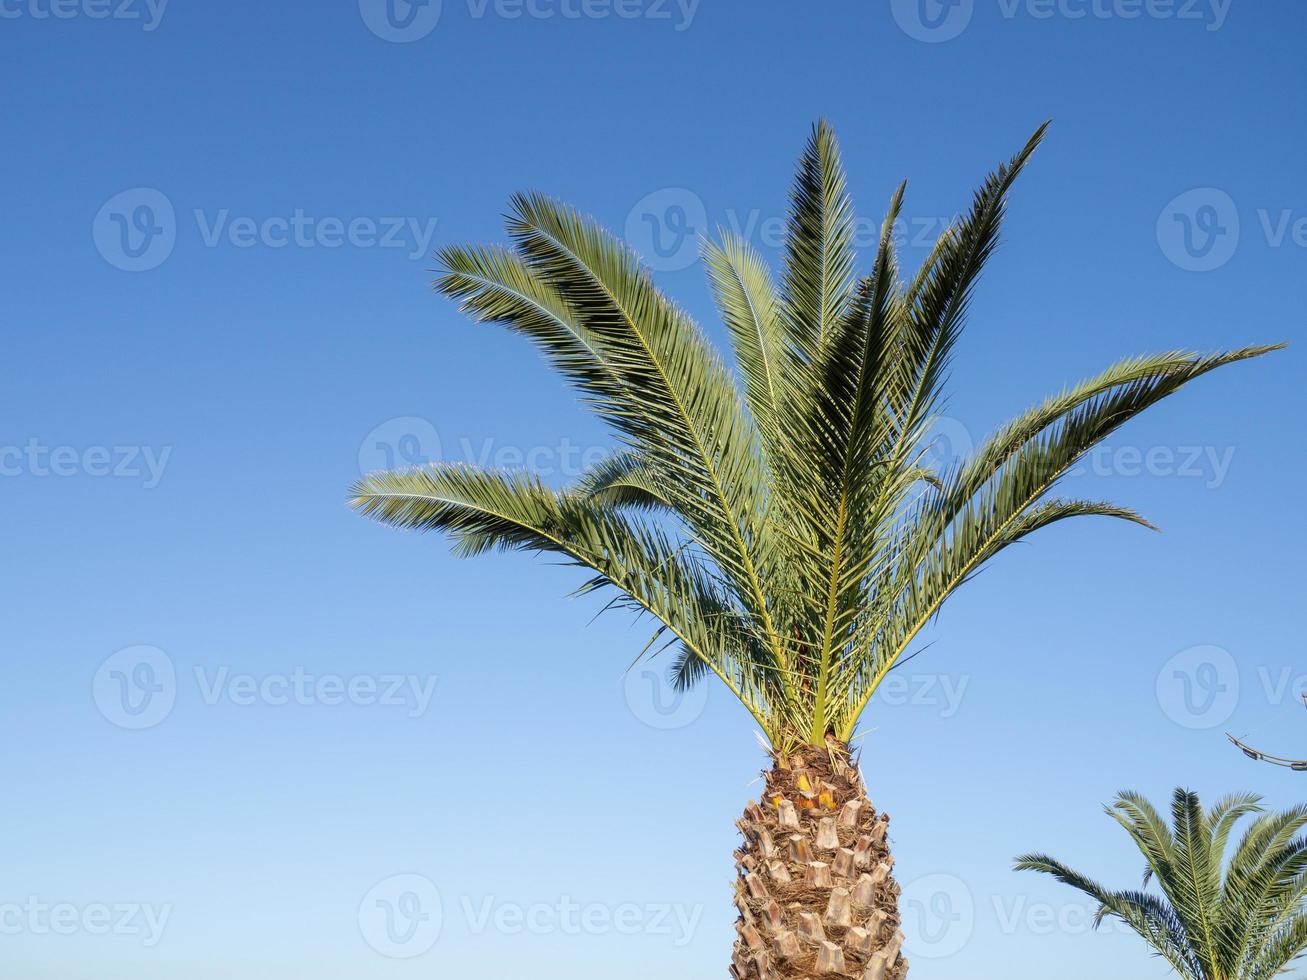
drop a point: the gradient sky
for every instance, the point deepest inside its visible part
(345, 754)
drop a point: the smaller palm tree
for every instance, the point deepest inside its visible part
(1215, 920)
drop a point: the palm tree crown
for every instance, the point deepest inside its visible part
(1245, 922)
(787, 534)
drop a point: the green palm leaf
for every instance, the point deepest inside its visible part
(1215, 919)
(779, 520)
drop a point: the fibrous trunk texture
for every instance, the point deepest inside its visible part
(816, 890)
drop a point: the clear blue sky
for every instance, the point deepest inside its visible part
(195, 371)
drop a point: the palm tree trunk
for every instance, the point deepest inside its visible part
(816, 893)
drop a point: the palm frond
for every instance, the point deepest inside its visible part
(818, 245)
(689, 422)
(750, 308)
(784, 526)
(486, 510)
(626, 479)
(1208, 923)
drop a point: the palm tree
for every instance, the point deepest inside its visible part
(1243, 922)
(787, 535)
